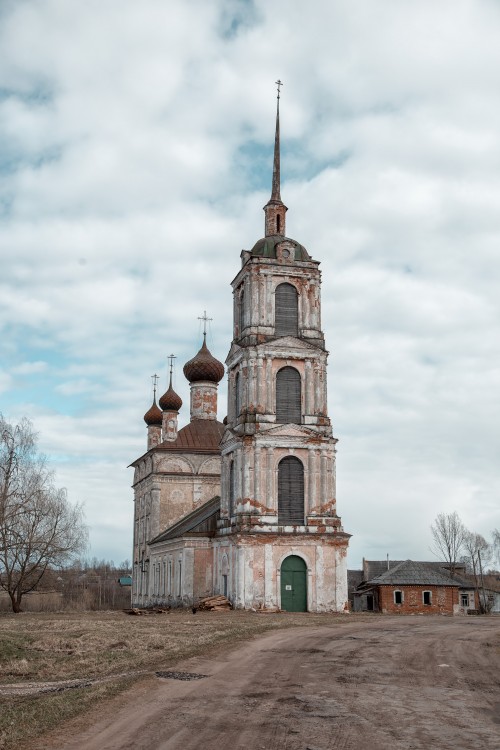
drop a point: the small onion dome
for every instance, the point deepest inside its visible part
(170, 401)
(153, 415)
(204, 367)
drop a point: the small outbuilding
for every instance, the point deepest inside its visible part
(411, 587)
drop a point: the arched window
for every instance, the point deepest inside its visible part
(237, 396)
(286, 310)
(242, 312)
(290, 492)
(288, 400)
(231, 488)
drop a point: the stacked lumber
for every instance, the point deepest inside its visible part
(215, 603)
(148, 611)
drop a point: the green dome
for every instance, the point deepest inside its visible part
(266, 247)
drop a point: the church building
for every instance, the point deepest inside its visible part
(247, 507)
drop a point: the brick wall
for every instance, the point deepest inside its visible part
(442, 599)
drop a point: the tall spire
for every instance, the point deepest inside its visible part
(275, 209)
(275, 193)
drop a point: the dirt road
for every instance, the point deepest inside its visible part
(372, 684)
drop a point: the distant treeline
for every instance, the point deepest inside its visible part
(88, 584)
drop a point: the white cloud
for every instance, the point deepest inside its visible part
(30, 368)
(134, 138)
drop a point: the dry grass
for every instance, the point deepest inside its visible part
(39, 647)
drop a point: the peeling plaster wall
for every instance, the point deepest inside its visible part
(255, 570)
(168, 487)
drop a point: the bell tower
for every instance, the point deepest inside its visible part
(278, 489)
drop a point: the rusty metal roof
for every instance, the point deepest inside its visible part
(204, 366)
(266, 247)
(170, 401)
(153, 415)
(199, 435)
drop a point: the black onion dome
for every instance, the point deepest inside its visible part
(153, 415)
(204, 367)
(170, 401)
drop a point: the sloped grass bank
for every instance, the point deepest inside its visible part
(40, 648)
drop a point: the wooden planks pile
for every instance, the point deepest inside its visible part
(148, 611)
(215, 603)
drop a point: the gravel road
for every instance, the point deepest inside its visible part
(373, 684)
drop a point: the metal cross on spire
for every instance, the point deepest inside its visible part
(205, 320)
(279, 84)
(155, 378)
(171, 358)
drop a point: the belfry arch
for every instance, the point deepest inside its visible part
(286, 310)
(290, 492)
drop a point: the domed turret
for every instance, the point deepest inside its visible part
(153, 415)
(204, 373)
(170, 401)
(204, 367)
(154, 418)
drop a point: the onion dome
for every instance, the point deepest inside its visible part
(170, 401)
(153, 415)
(204, 367)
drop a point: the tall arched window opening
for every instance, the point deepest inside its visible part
(290, 492)
(237, 396)
(231, 489)
(288, 396)
(241, 316)
(286, 310)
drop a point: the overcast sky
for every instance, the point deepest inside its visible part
(135, 158)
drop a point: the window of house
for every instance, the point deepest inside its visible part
(464, 600)
(427, 597)
(288, 396)
(180, 578)
(398, 597)
(286, 310)
(290, 492)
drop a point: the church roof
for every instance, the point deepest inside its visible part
(202, 520)
(153, 415)
(199, 435)
(266, 247)
(204, 366)
(170, 401)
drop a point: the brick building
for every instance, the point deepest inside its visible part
(248, 508)
(408, 587)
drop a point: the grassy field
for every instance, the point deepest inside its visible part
(111, 649)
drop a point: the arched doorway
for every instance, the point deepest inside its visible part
(294, 584)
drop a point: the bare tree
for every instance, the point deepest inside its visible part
(478, 553)
(38, 527)
(448, 533)
(496, 545)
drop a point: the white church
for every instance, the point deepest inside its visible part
(247, 507)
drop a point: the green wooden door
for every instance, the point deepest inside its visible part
(294, 584)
